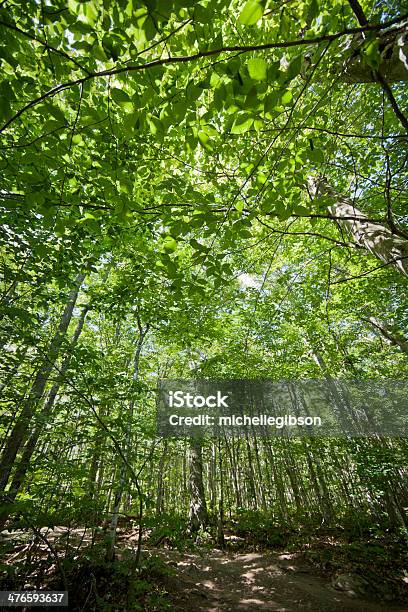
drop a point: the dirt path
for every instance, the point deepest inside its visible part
(218, 581)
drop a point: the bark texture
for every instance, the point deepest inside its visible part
(198, 505)
(375, 237)
(390, 332)
(393, 65)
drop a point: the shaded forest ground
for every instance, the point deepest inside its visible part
(321, 570)
(214, 580)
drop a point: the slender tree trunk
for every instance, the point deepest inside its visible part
(220, 515)
(235, 478)
(111, 534)
(198, 506)
(97, 452)
(185, 491)
(160, 485)
(21, 428)
(292, 476)
(253, 498)
(260, 478)
(278, 482)
(30, 445)
(322, 501)
(212, 483)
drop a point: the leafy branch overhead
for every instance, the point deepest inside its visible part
(198, 190)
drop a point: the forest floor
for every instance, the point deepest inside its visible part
(201, 577)
(217, 581)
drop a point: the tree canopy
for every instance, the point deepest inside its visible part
(212, 189)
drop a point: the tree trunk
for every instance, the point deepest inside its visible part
(393, 64)
(31, 443)
(394, 336)
(233, 467)
(21, 428)
(220, 515)
(198, 507)
(278, 481)
(252, 496)
(375, 237)
(211, 478)
(98, 448)
(111, 533)
(260, 478)
(160, 484)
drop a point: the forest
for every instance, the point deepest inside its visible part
(202, 191)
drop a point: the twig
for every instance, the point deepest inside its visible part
(202, 54)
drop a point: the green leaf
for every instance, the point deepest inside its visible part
(155, 125)
(201, 14)
(214, 80)
(272, 101)
(193, 92)
(34, 198)
(284, 24)
(251, 13)
(179, 110)
(73, 7)
(257, 68)
(56, 112)
(169, 244)
(371, 54)
(261, 178)
(244, 233)
(287, 97)
(5, 108)
(171, 268)
(149, 28)
(198, 246)
(121, 97)
(111, 47)
(294, 67)
(77, 139)
(316, 155)
(91, 13)
(204, 139)
(312, 12)
(242, 124)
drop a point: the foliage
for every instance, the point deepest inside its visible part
(167, 155)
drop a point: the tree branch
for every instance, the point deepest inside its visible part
(388, 263)
(316, 234)
(12, 26)
(202, 54)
